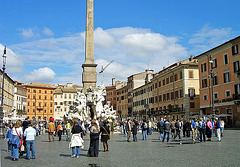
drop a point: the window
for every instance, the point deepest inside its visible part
(214, 63)
(215, 95)
(192, 105)
(215, 81)
(155, 85)
(45, 91)
(168, 96)
(172, 95)
(228, 93)
(34, 91)
(237, 88)
(164, 97)
(160, 98)
(159, 84)
(190, 74)
(225, 59)
(181, 76)
(205, 98)
(171, 78)
(234, 49)
(204, 83)
(191, 92)
(176, 77)
(39, 91)
(176, 94)
(226, 76)
(236, 66)
(39, 97)
(203, 67)
(181, 93)
(163, 82)
(167, 81)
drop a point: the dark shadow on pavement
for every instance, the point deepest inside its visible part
(121, 140)
(65, 155)
(8, 157)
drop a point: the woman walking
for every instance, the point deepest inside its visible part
(60, 129)
(76, 140)
(105, 135)
(94, 139)
(17, 134)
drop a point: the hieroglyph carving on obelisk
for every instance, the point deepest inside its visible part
(89, 75)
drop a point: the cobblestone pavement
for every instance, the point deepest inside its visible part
(148, 153)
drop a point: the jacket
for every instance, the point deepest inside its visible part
(51, 127)
(167, 126)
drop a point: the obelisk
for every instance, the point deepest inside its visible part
(89, 75)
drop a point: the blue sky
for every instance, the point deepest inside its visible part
(45, 38)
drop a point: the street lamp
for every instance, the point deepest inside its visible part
(212, 77)
(4, 56)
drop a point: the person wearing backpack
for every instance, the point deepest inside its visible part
(144, 129)
(161, 129)
(202, 130)
(167, 128)
(177, 128)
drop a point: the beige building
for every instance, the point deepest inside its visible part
(122, 103)
(176, 91)
(64, 96)
(8, 95)
(143, 101)
(20, 101)
(135, 81)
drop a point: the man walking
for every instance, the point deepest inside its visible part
(218, 130)
(167, 128)
(161, 129)
(30, 134)
(51, 129)
(194, 129)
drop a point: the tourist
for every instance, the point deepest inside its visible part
(202, 130)
(124, 129)
(94, 139)
(105, 135)
(51, 130)
(178, 129)
(30, 134)
(8, 137)
(17, 134)
(37, 128)
(60, 130)
(144, 129)
(167, 128)
(222, 126)
(161, 129)
(188, 127)
(63, 127)
(149, 127)
(68, 130)
(173, 131)
(209, 129)
(218, 130)
(212, 122)
(25, 124)
(134, 130)
(194, 129)
(76, 140)
(128, 130)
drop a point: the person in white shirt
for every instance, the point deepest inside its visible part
(17, 134)
(222, 124)
(30, 134)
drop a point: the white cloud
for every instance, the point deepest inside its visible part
(47, 31)
(14, 63)
(29, 33)
(208, 37)
(132, 49)
(41, 75)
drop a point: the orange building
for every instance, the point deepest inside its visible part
(40, 101)
(218, 87)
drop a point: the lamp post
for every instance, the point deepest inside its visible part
(4, 56)
(211, 76)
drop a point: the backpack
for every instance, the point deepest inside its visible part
(176, 124)
(145, 125)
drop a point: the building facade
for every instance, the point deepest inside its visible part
(64, 96)
(40, 101)
(219, 84)
(8, 95)
(20, 101)
(122, 103)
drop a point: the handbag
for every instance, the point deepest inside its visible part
(21, 140)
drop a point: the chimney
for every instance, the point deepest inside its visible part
(191, 58)
(113, 81)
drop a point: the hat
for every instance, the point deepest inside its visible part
(216, 118)
(93, 121)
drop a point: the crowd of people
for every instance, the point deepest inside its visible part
(21, 136)
(200, 129)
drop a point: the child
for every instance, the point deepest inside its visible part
(8, 137)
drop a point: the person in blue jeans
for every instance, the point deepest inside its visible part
(160, 128)
(144, 129)
(167, 127)
(30, 134)
(8, 138)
